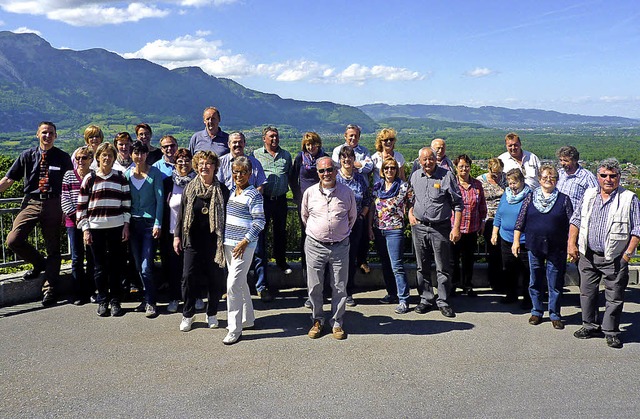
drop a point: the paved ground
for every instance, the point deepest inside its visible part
(487, 362)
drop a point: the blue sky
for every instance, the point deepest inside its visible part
(570, 56)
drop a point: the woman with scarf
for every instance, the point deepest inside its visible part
(304, 174)
(385, 145)
(474, 213)
(390, 198)
(544, 217)
(516, 268)
(244, 222)
(173, 187)
(350, 177)
(199, 233)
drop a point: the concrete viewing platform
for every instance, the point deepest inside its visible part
(65, 361)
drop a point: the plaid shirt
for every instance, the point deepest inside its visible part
(574, 185)
(475, 207)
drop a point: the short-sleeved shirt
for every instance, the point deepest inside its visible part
(201, 141)
(435, 197)
(529, 168)
(576, 184)
(256, 179)
(276, 169)
(27, 166)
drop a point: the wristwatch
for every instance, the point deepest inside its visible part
(628, 254)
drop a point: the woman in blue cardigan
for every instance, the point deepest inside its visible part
(544, 217)
(145, 183)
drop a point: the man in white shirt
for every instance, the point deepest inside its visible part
(517, 158)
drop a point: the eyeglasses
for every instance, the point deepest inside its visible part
(608, 175)
(327, 170)
(82, 158)
(239, 172)
(389, 168)
(464, 167)
(205, 164)
(183, 162)
(388, 140)
(168, 146)
(552, 178)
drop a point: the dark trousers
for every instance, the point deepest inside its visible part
(355, 238)
(275, 212)
(494, 258)
(83, 281)
(48, 214)
(201, 271)
(463, 256)
(615, 273)
(172, 268)
(516, 271)
(108, 256)
(433, 242)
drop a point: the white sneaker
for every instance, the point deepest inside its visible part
(231, 338)
(185, 324)
(212, 321)
(173, 306)
(199, 304)
(150, 311)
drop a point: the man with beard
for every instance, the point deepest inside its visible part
(212, 137)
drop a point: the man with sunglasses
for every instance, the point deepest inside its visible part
(328, 211)
(169, 147)
(42, 168)
(603, 236)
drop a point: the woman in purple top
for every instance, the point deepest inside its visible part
(544, 217)
(390, 197)
(83, 286)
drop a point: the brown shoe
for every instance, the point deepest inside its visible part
(316, 330)
(557, 324)
(365, 268)
(535, 320)
(338, 333)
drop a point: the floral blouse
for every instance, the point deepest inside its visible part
(389, 212)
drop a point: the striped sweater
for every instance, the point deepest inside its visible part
(245, 217)
(69, 197)
(106, 204)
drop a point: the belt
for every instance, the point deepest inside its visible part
(329, 243)
(43, 196)
(435, 223)
(275, 198)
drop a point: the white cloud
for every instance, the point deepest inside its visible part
(480, 72)
(196, 50)
(1, 23)
(101, 12)
(24, 29)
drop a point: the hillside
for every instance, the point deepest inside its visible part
(74, 88)
(496, 117)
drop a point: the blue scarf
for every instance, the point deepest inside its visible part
(515, 199)
(378, 189)
(543, 204)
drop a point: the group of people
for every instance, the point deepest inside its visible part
(208, 207)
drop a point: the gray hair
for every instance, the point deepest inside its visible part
(355, 127)
(568, 151)
(237, 134)
(333, 164)
(547, 168)
(610, 163)
(243, 162)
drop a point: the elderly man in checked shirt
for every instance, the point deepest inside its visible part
(603, 236)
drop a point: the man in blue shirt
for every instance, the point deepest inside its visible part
(573, 179)
(237, 144)
(169, 147)
(211, 137)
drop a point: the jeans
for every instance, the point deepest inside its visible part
(108, 255)
(554, 269)
(143, 251)
(83, 284)
(390, 246)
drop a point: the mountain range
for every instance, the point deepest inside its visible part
(75, 88)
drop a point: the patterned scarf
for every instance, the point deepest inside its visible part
(514, 199)
(197, 189)
(543, 204)
(309, 161)
(182, 181)
(378, 189)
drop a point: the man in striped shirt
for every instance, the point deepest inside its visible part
(573, 179)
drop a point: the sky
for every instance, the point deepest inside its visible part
(569, 56)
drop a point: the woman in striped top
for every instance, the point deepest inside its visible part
(83, 286)
(244, 222)
(104, 204)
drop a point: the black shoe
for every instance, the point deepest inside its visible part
(103, 309)
(471, 293)
(584, 333)
(423, 308)
(141, 308)
(49, 299)
(116, 310)
(265, 296)
(613, 342)
(447, 311)
(389, 299)
(32, 273)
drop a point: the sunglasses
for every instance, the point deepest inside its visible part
(606, 175)
(327, 170)
(168, 146)
(82, 158)
(388, 140)
(183, 162)
(390, 168)
(239, 172)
